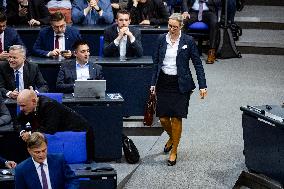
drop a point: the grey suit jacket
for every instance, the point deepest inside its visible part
(67, 75)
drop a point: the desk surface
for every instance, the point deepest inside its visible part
(68, 98)
(144, 28)
(145, 60)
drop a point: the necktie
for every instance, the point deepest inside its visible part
(200, 10)
(1, 49)
(56, 42)
(43, 177)
(17, 79)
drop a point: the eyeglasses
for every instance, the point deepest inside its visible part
(59, 27)
(174, 27)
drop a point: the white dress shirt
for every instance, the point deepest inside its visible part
(122, 44)
(169, 64)
(45, 168)
(196, 6)
(82, 71)
(2, 40)
(61, 40)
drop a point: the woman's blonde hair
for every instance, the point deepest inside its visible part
(178, 17)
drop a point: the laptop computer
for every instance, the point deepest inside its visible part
(90, 89)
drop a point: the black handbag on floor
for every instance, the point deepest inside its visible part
(130, 151)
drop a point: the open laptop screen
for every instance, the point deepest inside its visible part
(90, 88)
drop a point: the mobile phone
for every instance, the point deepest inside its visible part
(63, 52)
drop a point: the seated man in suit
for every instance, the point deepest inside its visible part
(8, 37)
(148, 12)
(27, 12)
(5, 117)
(18, 74)
(122, 40)
(6, 163)
(80, 68)
(48, 116)
(57, 39)
(43, 170)
(208, 15)
(92, 12)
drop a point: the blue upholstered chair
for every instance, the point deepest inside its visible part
(55, 96)
(200, 31)
(101, 49)
(71, 144)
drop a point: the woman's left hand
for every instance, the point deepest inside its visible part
(203, 93)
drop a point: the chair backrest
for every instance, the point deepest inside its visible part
(101, 50)
(55, 96)
(71, 144)
(198, 26)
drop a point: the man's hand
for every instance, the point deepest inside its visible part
(93, 4)
(25, 136)
(10, 164)
(23, 11)
(67, 54)
(135, 3)
(203, 93)
(4, 55)
(55, 52)
(145, 22)
(34, 22)
(185, 15)
(153, 89)
(115, 5)
(14, 94)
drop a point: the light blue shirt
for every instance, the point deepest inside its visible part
(82, 71)
(21, 78)
(59, 4)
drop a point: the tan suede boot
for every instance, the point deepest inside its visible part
(176, 134)
(211, 56)
(166, 123)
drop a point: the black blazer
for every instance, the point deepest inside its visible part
(36, 10)
(132, 49)
(153, 10)
(67, 75)
(32, 77)
(2, 161)
(51, 117)
(187, 50)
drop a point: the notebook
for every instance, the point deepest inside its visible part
(90, 89)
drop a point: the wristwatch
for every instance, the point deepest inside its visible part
(98, 9)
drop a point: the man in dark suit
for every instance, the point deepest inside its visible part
(8, 37)
(8, 164)
(122, 40)
(57, 39)
(208, 15)
(80, 68)
(43, 170)
(48, 116)
(27, 12)
(18, 74)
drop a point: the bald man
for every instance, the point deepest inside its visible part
(47, 115)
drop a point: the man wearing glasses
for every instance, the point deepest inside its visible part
(57, 39)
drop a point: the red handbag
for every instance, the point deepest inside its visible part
(150, 110)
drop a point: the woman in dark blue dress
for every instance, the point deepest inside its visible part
(172, 80)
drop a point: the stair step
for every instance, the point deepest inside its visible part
(261, 17)
(265, 2)
(255, 41)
